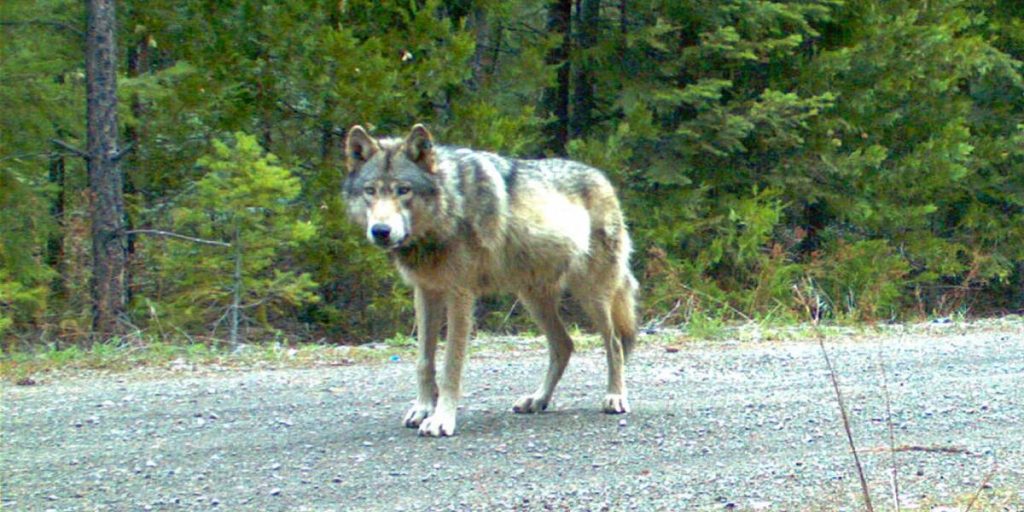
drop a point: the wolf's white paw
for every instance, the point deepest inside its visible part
(530, 404)
(615, 404)
(438, 424)
(416, 415)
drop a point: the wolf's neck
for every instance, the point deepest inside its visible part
(424, 252)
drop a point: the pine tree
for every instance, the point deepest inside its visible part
(41, 92)
(244, 206)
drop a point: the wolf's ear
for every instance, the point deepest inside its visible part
(419, 147)
(359, 147)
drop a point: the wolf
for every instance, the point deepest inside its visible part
(460, 223)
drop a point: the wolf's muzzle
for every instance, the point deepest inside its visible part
(381, 234)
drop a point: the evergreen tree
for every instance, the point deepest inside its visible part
(244, 206)
(42, 97)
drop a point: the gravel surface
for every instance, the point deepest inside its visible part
(724, 426)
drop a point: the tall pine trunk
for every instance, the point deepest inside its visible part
(556, 98)
(105, 179)
(589, 15)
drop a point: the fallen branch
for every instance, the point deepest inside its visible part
(168, 234)
(953, 450)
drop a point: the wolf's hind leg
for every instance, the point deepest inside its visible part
(429, 314)
(544, 309)
(624, 313)
(599, 310)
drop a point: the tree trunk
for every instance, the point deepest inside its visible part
(623, 16)
(555, 102)
(236, 299)
(583, 98)
(55, 242)
(482, 30)
(138, 63)
(105, 179)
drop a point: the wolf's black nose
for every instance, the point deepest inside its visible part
(380, 232)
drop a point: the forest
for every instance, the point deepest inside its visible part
(851, 160)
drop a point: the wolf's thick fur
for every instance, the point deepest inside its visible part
(460, 223)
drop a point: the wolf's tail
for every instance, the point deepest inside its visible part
(624, 313)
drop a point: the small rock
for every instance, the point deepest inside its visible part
(275, 492)
(623, 422)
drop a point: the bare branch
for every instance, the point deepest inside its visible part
(74, 150)
(168, 234)
(123, 151)
(45, 23)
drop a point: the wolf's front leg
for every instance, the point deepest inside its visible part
(460, 322)
(429, 314)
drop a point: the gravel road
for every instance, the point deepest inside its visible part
(715, 426)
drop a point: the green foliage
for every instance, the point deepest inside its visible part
(40, 77)
(245, 199)
(873, 149)
(862, 280)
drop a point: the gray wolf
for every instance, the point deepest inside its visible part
(460, 223)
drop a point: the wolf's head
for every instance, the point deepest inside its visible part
(392, 184)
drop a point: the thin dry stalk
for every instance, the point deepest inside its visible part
(984, 483)
(894, 481)
(846, 424)
(814, 315)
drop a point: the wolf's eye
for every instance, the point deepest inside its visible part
(403, 191)
(369, 191)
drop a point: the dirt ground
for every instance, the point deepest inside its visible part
(715, 426)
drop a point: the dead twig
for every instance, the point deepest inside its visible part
(659, 322)
(984, 484)
(894, 481)
(815, 316)
(168, 234)
(952, 450)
